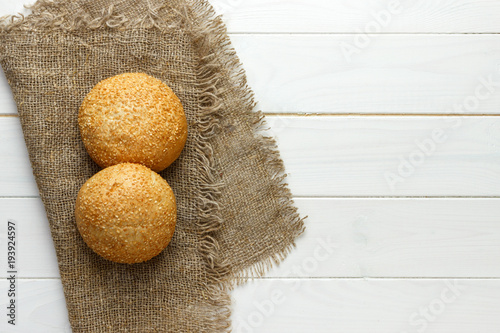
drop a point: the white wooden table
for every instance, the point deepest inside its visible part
(392, 143)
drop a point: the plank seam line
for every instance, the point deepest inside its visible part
(309, 114)
(353, 33)
(322, 278)
(331, 197)
(314, 114)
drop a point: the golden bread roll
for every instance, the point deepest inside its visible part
(134, 118)
(126, 213)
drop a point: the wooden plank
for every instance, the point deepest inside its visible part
(348, 156)
(390, 156)
(326, 16)
(35, 254)
(358, 306)
(396, 238)
(7, 104)
(257, 16)
(344, 238)
(394, 74)
(12, 7)
(40, 307)
(344, 305)
(16, 176)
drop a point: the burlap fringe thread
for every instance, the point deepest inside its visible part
(218, 60)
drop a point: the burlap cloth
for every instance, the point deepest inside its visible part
(235, 215)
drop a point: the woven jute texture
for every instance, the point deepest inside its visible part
(235, 214)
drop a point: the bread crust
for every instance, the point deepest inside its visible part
(133, 117)
(126, 213)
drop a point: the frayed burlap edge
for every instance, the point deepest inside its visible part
(221, 63)
(218, 63)
(41, 18)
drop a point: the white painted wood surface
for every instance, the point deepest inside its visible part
(352, 16)
(401, 189)
(354, 238)
(394, 74)
(348, 156)
(386, 74)
(367, 305)
(314, 305)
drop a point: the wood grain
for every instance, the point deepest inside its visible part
(344, 238)
(403, 233)
(348, 156)
(35, 253)
(16, 175)
(394, 74)
(367, 305)
(40, 307)
(390, 156)
(396, 238)
(327, 16)
(7, 104)
(316, 305)
(353, 16)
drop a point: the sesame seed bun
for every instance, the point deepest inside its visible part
(134, 118)
(126, 213)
